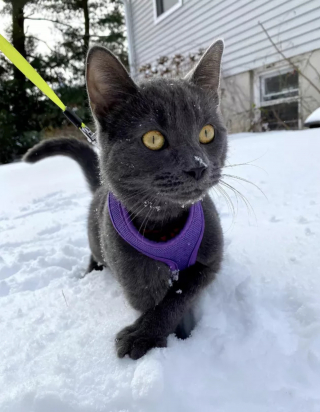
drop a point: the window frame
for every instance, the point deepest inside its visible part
(158, 19)
(258, 102)
(273, 73)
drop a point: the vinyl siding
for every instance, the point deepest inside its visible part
(292, 24)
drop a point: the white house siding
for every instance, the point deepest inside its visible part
(293, 25)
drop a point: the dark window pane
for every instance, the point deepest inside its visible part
(279, 115)
(165, 5)
(159, 7)
(280, 86)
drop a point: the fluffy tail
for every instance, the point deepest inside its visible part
(79, 151)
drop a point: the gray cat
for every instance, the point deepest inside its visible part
(162, 146)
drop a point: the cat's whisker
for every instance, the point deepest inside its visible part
(243, 198)
(146, 217)
(145, 201)
(219, 193)
(137, 204)
(249, 162)
(164, 216)
(246, 164)
(138, 209)
(238, 193)
(224, 198)
(237, 200)
(135, 194)
(228, 201)
(247, 181)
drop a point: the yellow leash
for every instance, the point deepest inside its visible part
(21, 63)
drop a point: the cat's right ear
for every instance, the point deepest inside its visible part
(108, 82)
(206, 73)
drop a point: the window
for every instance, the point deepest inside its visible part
(279, 100)
(278, 116)
(165, 7)
(279, 86)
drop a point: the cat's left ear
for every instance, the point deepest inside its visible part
(108, 82)
(206, 73)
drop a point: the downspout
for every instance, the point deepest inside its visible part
(131, 51)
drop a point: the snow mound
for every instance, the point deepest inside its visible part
(313, 119)
(256, 347)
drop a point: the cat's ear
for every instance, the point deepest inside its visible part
(108, 82)
(206, 74)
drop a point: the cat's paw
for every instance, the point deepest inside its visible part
(135, 341)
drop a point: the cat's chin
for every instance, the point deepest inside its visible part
(190, 202)
(189, 199)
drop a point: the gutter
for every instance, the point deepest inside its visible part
(129, 25)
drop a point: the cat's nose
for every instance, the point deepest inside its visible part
(196, 172)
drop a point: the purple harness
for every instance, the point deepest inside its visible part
(178, 253)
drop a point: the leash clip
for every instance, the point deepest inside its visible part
(74, 119)
(91, 137)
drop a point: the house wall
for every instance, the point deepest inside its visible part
(293, 25)
(240, 93)
(236, 102)
(310, 98)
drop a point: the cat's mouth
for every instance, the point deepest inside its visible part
(184, 193)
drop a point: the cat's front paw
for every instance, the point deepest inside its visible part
(135, 341)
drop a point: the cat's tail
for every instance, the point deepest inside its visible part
(79, 151)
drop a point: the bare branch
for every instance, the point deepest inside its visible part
(288, 59)
(52, 21)
(37, 38)
(43, 61)
(278, 118)
(314, 69)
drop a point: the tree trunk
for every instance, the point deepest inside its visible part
(20, 104)
(18, 34)
(86, 36)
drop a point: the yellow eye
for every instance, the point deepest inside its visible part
(154, 140)
(207, 134)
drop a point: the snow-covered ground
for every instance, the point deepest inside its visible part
(257, 345)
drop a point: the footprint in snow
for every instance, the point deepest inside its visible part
(302, 220)
(50, 230)
(46, 197)
(308, 232)
(275, 219)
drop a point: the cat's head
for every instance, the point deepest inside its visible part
(163, 141)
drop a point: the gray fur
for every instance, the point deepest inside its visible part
(157, 187)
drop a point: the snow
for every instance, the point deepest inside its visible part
(314, 118)
(200, 161)
(257, 344)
